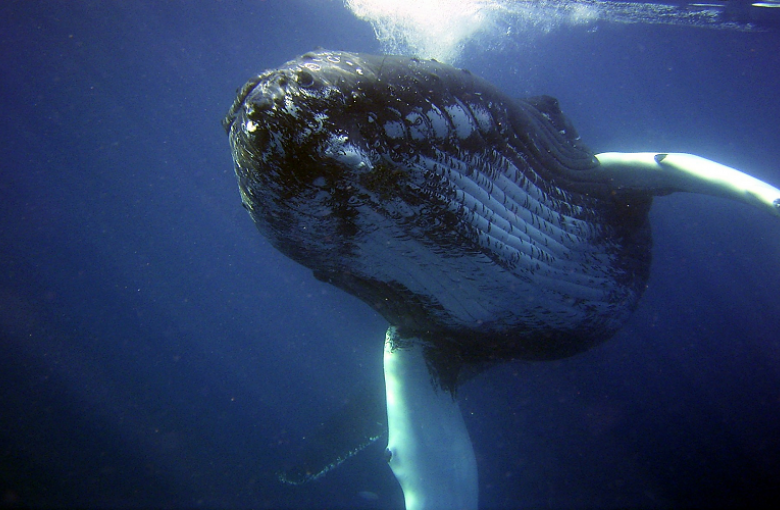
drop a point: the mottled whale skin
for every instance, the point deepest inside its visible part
(476, 222)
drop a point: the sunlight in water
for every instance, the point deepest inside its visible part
(427, 28)
(441, 29)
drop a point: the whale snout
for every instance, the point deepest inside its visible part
(267, 96)
(258, 100)
(260, 104)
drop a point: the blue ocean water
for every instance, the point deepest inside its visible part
(158, 352)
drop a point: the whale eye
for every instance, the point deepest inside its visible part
(388, 455)
(305, 79)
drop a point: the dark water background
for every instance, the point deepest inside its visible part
(155, 351)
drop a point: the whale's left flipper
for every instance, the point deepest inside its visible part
(428, 447)
(661, 173)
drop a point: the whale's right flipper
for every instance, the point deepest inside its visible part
(663, 173)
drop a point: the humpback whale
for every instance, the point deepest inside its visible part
(481, 227)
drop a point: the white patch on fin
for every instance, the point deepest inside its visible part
(668, 172)
(429, 448)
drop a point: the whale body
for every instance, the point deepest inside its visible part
(479, 226)
(472, 220)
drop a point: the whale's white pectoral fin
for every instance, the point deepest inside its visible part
(429, 448)
(668, 172)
